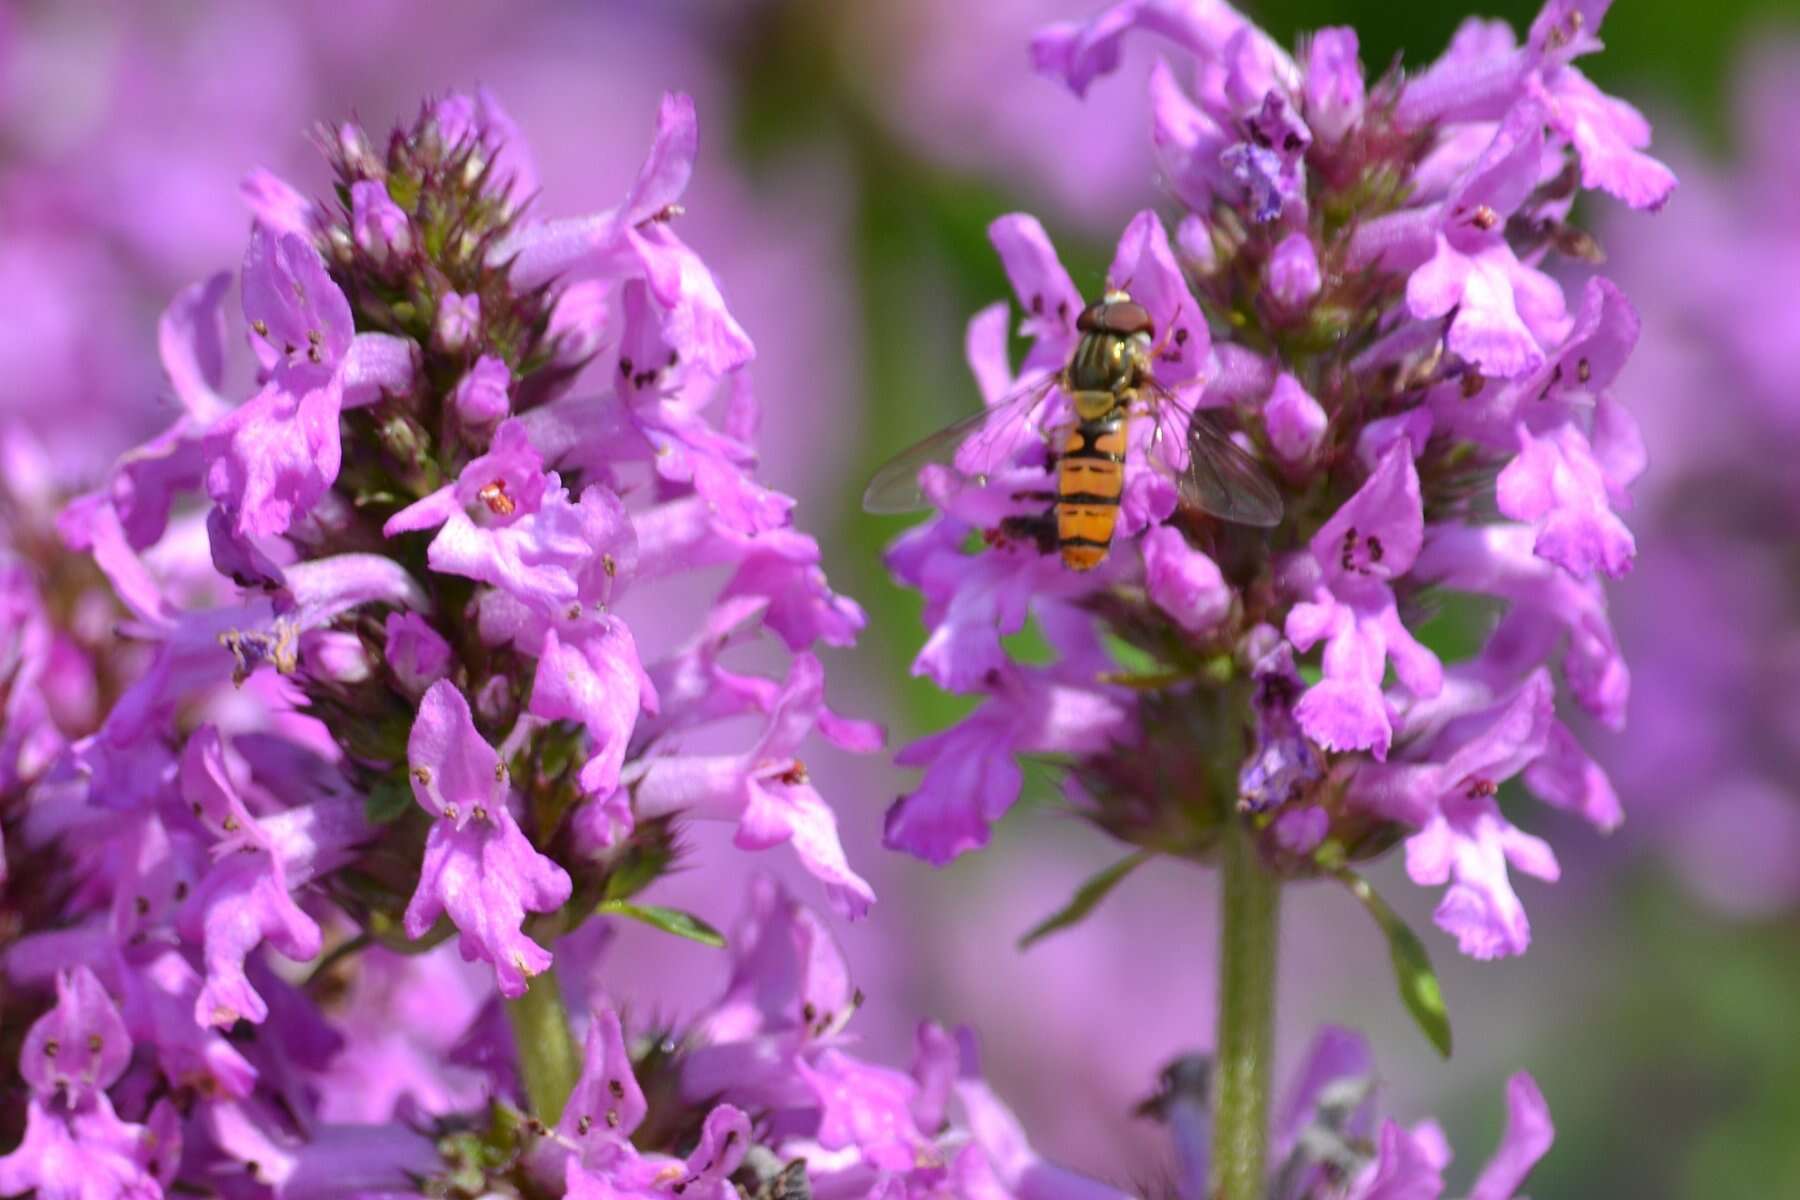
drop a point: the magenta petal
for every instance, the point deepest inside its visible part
(1041, 283)
(1528, 1136)
(80, 1046)
(1183, 582)
(607, 1103)
(454, 772)
(297, 314)
(271, 460)
(1144, 264)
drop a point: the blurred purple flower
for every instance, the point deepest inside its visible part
(1711, 628)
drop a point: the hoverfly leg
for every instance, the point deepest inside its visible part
(1039, 530)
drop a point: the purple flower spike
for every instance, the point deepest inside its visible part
(418, 511)
(1379, 324)
(479, 867)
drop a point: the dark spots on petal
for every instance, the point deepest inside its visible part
(479, 813)
(1037, 304)
(181, 890)
(1375, 548)
(809, 1012)
(617, 1088)
(1584, 370)
(1292, 142)
(423, 775)
(499, 772)
(142, 905)
(857, 998)
(586, 1123)
(52, 1048)
(229, 824)
(1181, 336)
(261, 327)
(625, 367)
(612, 1118)
(1484, 218)
(674, 357)
(795, 775)
(95, 1043)
(1472, 383)
(451, 812)
(609, 565)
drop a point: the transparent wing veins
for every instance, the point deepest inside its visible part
(977, 439)
(1219, 477)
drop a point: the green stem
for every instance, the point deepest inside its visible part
(1248, 908)
(548, 1059)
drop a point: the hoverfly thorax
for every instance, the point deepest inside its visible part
(1111, 355)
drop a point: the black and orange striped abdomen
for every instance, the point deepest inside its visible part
(1090, 476)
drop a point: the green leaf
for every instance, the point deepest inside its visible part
(1418, 983)
(669, 920)
(1087, 897)
(387, 801)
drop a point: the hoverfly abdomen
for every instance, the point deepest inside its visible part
(1090, 478)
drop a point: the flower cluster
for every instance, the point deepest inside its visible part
(1327, 1142)
(423, 620)
(1357, 283)
(408, 1092)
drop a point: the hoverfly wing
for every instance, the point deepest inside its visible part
(1218, 477)
(974, 446)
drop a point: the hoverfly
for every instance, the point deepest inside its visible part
(1108, 382)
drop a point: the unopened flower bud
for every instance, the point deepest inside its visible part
(481, 396)
(380, 226)
(458, 320)
(1293, 273)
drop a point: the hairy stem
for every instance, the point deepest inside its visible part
(548, 1060)
(1248, 909)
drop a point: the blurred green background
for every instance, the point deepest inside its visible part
(1669, 1045)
